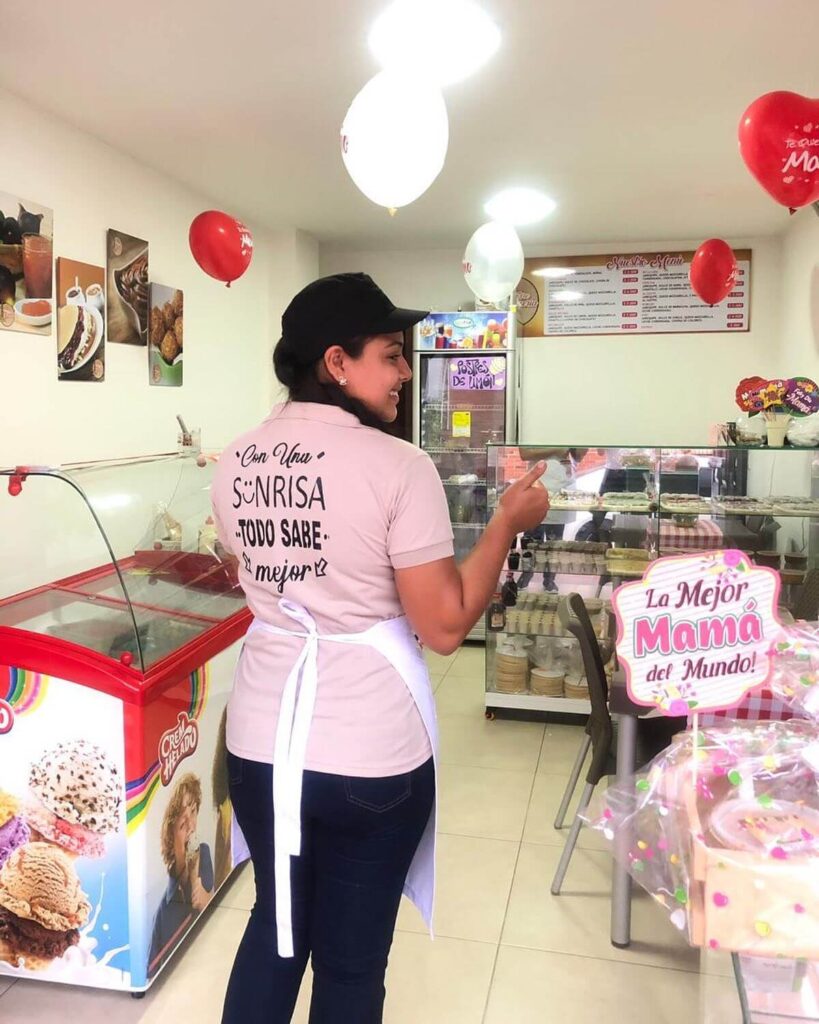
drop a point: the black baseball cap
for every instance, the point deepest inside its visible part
(335, 309)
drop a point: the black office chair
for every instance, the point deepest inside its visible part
(653, 735)
(807, 604)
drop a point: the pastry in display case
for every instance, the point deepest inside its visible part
(120, 625)
(619, 510)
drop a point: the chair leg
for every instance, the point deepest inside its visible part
(571, 840)
(570, 785)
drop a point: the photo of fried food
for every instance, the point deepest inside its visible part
(157, 328)
(166, 332)
(169, 349)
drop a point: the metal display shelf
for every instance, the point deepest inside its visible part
(534, 702)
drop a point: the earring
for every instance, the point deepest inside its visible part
(342, 381)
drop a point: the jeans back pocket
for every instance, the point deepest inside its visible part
(378, 795)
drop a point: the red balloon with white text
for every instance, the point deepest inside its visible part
(221, 245)
(779, 142)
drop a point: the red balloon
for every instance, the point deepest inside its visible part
(779, 142)
(221, 245)
(713, 271)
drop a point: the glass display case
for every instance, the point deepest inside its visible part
(120, 625)
(613, 511)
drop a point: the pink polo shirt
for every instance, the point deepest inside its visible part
(321, 510)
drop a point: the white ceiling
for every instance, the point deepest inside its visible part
(624, 110)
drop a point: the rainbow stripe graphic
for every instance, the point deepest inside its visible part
(139, 793)
(24, 691)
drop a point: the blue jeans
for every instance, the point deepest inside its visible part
(358, 839)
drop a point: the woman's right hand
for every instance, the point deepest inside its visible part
(525, 502)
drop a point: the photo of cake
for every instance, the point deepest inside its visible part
(42, 906)
(128, 288)
(80, 321)
(76, 797)
(79, 330)
(14, 832)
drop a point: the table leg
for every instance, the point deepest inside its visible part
(621, 879)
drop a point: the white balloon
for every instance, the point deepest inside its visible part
(394, 138)
(493, 261)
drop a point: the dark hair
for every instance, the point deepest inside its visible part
(304, 384)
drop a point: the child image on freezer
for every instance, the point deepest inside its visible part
(189, 866)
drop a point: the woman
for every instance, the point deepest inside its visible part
(343, 540)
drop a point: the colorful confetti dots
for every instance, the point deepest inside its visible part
(720, 899)
(779, 854)
(642, 785)
(713, 944)
(681, 896)
(798, 908)
(763, 929)
(734, 777)
(765, 799)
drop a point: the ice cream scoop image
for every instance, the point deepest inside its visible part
(42, 906)
(76, 797)
(14, 832)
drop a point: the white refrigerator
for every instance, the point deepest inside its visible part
(466, 396)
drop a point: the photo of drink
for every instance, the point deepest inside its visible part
(26, 265)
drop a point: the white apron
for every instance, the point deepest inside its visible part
(394, 640)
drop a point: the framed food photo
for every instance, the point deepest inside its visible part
(26, 265)
(166, 342)
(80, 321)
(128, 289)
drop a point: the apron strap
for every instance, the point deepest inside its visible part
(290, 753)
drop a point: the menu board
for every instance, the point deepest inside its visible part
(632, 293)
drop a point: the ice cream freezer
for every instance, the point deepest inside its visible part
(120, 624)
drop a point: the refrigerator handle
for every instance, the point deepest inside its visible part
(416, 391)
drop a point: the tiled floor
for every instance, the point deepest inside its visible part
(507, 952)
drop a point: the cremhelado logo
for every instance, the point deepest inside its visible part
(176, 744)
(6, 717)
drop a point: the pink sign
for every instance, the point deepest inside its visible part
(694, 633)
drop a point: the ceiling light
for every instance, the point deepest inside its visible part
(438, 40)
(519, 206)
(554, 272)
(566, 296)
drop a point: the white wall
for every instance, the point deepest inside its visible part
(659, 389)
(295, 264)
(800, 297)
(229, 334)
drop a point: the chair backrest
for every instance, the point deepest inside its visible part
(807, 604)
(574, 618)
